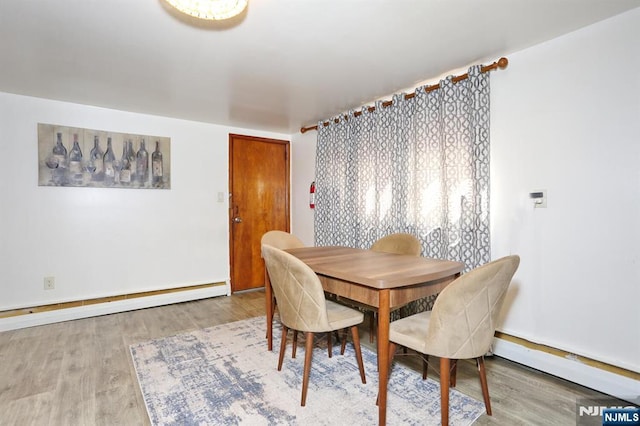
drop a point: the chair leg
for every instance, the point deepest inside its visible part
(295, 344)
(283, 345)
(343, 345)
(273, 310)
(330, 343)
(392, 353)
(454, 372)
(307, 367)
(444, 391)
(425, 366)
(356, 347)
(372, 326)
(483, 384)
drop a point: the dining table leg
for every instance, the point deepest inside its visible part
(268, 296)
(383, 354)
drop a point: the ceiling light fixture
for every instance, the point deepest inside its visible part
(215, 10)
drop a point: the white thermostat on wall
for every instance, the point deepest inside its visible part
(539, 198)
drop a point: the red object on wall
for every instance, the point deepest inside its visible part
(312, 195)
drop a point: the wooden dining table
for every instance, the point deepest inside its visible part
(381, 280)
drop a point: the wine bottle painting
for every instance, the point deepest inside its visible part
(71, 156)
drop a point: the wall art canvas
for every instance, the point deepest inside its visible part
(73, 156)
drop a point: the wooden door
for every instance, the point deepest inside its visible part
(258, 202)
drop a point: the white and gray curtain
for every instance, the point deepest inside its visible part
(419, 166)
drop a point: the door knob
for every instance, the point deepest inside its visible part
(237, 219)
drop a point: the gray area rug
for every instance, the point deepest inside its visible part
(224, 375)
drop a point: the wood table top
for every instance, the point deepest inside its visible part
(375, 269)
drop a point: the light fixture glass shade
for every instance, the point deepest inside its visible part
(210, 9)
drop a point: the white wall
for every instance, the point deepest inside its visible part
(104, 242)
(303, 166)
(566, 118)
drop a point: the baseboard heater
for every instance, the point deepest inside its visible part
(606, 378)
(58, 312)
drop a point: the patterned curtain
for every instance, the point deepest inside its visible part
(419, 166)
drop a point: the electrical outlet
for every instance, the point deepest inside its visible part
(49, 283)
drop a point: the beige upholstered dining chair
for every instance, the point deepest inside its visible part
(303, 307)
(399, 243)
(283, 241)
(460, 326)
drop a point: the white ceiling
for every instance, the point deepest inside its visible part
(281, 65)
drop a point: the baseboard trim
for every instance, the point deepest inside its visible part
(50, 314)
(608, 382)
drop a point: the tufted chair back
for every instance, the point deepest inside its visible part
(282, 240)
(398, 243)
(298, 291)
(464, 316)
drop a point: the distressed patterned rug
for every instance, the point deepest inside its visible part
(224, 375)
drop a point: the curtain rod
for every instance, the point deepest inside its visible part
(500, 63)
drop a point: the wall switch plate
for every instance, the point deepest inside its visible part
(49, 283)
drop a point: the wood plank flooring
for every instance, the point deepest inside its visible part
(80, 372)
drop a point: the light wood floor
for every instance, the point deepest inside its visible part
(80, 372)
